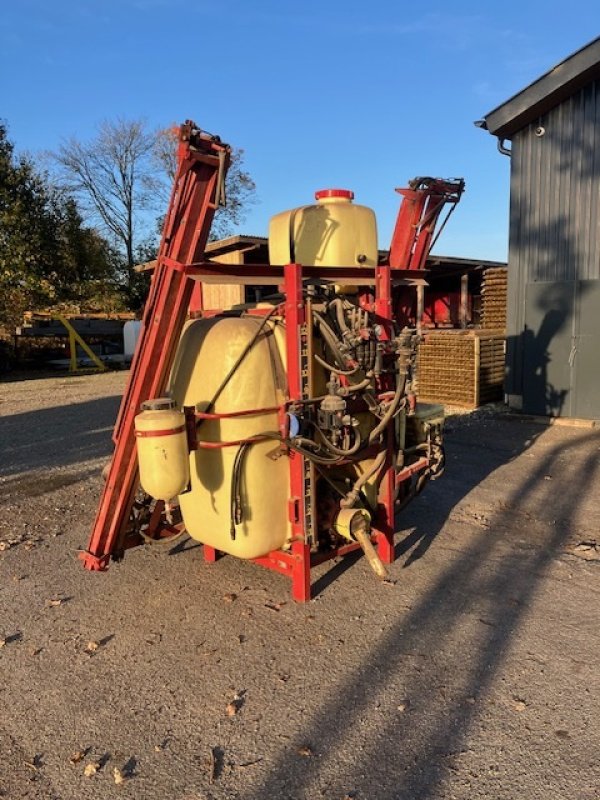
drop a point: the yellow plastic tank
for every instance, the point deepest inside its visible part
(332, 233)
(208, 350)
(162, 449)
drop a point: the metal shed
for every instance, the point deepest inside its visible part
(553, 346)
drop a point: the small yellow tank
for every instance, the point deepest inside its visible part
(333, 233)
(162, 449)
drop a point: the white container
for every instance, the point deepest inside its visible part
(131, 333)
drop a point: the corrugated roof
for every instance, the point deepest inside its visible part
(545, 93)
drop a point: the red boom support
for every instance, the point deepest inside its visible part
(202, 165)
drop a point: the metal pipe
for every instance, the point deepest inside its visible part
(504, 150)
(352, 496)
(355, 525)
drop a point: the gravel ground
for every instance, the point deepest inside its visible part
(472, 675)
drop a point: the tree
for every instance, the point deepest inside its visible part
(47, 255)
(114, 179)
(240, 189)
(29, 244)
(89, 266)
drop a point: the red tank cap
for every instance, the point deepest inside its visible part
(349, 195)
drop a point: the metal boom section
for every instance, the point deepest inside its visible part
(198, 189)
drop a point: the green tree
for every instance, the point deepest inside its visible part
(89, 267)
(47, 255)
(29, 241)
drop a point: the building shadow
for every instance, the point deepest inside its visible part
(467, 620)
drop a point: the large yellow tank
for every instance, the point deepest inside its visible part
(207, 351)
(333, 233)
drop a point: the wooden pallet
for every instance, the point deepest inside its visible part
(464, 368)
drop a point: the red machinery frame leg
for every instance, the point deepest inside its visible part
(385, 518)
(295, 317)
(301, 572)
(211, 555)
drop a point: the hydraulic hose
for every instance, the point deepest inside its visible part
(236, 508)
(336, 370)
(235, 499)
(393, 406)
(338, 451)
(352, 496)
(355, 387)
(338, 305)
(330, 337)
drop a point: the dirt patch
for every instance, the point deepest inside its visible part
(472, 672)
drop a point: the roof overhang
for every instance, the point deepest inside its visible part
(564, 80)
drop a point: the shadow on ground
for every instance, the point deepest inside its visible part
(60, 436)
(492, 581)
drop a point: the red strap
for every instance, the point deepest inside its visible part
(164, 432)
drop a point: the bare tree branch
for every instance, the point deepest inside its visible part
(114, 177)
(240, 189)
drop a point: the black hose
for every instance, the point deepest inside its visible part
(295, 444)
(338, 305)
(330, 338)
(235, 498)
(238, 361)
(393, 407)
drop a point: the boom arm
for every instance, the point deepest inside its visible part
(422, 204)
(198, 189)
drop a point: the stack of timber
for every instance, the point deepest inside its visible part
(461, 368)
(493, 299)
(48, 323)
(44, 324)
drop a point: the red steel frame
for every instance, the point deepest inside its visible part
(297, 562)
(108, 535)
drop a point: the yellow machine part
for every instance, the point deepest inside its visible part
(208, 350)
(162, 452)
(334, 232)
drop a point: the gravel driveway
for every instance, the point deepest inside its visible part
(474, 674)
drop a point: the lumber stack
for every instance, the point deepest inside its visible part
(462, 368)
(493, 298)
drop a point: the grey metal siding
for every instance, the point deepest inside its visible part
(554, 236)
(555, 193)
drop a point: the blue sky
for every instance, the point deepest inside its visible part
(319, 94)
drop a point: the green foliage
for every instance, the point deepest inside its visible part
(52, 258)
(47, 256)
(29, 244)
